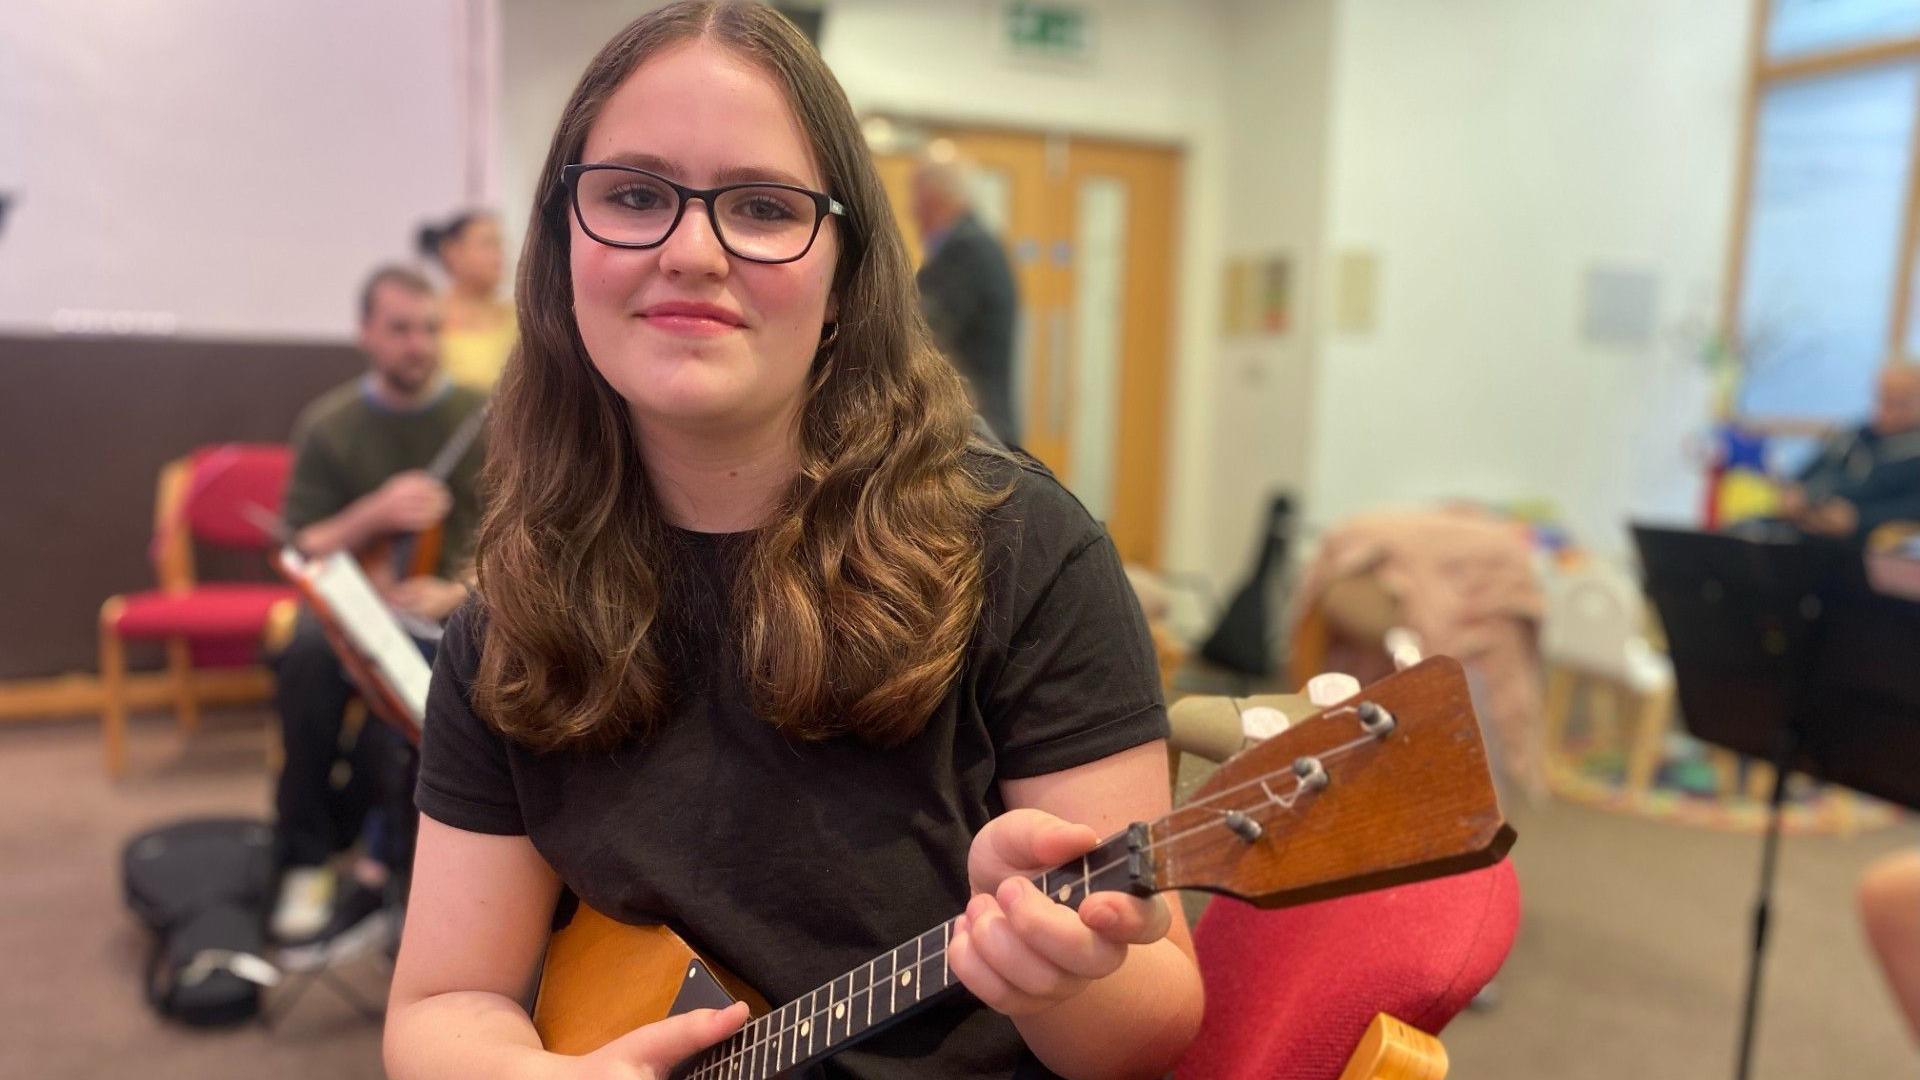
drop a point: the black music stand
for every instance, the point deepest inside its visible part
(1765, 631)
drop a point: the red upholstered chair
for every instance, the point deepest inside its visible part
(203, 498)
(1292, 993)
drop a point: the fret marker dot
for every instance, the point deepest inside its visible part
(692, 971)
(1066, 891)
(839, 1011)
(805, 1026)
(906, 977)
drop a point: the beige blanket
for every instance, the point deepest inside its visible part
(1463, 581)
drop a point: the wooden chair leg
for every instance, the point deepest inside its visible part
(186, 706)
(281, 620)
(1655, 715)
(1603, 712)
(1560, 684)
(113, 690)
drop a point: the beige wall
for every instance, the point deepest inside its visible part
(1278, 107)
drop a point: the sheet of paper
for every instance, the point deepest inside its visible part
(372, 628)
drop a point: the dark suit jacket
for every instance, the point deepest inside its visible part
(968, 295)
(1878, 474)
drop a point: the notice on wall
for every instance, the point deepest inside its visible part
(1258, 296)
(1356, 285)
(1236, 317)
(1619, 306)
(1276, 295)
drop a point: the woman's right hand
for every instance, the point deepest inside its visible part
(651, 1052)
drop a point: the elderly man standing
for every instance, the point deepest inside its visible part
(1866, 476)
(967, 292)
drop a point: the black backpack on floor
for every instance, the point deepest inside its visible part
(202, 886)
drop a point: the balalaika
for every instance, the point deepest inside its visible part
(1387, 788)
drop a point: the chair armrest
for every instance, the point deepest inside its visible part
(1209, 725)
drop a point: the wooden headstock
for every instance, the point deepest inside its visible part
(1391, 801)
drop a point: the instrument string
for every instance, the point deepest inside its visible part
(1286, 803)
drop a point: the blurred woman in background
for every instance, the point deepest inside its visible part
(479, 328)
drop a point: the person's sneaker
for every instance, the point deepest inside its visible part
(305, 904)
(355, 902)
(358, 924)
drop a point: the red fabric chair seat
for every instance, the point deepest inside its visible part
(236, 611)
(224, 652)
(1291, 992)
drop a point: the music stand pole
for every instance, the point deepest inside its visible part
(1763, 903)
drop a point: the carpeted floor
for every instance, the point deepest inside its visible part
(1629, 961)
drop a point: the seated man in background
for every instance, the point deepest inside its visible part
(1866, 476)
(358, 479)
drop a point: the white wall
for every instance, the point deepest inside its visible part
(1490, 152)
(1156, 76)
(1277, 107)
(228, 169)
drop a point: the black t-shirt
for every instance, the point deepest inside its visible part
(791, 863)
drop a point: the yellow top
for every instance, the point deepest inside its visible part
(475, 357)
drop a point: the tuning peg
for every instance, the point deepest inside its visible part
(1375, 720)
(1312, 774)
(1331, 688)
(1243, 826)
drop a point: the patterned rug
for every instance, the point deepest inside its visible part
(1686, 792)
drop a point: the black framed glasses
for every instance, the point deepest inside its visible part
(625, 207)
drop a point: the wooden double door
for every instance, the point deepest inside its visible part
(1089, 227)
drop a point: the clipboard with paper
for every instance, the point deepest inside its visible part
(379, 656)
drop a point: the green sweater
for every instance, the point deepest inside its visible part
(346, 445)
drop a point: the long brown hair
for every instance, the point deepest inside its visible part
(855, 604)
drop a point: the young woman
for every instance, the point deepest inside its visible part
(479, 328)
(768, 647)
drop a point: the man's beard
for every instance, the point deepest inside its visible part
(409, 381)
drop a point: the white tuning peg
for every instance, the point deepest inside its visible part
(1404, 646)
(1331, 688)
(1262, 722)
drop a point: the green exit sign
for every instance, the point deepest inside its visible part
(1053, 31)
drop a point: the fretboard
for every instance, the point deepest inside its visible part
(884, 990)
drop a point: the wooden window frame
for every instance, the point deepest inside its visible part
(1764, 74)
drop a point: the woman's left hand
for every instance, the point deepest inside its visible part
(1018, 950)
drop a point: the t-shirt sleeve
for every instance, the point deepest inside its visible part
(466, 780)
(1080, 680)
